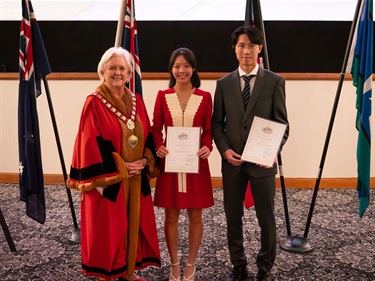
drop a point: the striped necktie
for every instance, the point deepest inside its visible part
(246, 90)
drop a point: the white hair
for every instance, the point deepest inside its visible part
(115, 51)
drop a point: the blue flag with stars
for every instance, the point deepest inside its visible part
(34, 65)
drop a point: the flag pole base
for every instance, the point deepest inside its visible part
(76, 236)
(296, 244)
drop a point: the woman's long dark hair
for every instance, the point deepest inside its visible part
(190, 58)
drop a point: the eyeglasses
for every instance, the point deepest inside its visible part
(251, 47)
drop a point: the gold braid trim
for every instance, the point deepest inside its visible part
(153, 170)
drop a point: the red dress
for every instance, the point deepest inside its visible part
(98, 171)
(168, 112)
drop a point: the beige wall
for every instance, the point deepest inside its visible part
(309, 106)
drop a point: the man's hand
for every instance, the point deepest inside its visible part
(233, 157)
(265, 166)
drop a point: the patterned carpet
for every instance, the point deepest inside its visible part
(344, 244)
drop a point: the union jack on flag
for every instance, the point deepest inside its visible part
(129, 42)
(34, 65)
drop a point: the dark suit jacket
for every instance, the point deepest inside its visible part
(231, 124)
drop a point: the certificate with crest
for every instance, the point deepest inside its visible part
(183, 145)
(263, 142)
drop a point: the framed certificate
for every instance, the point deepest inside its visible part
(183, 145)
(263, 141)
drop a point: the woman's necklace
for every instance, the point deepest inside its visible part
(133, 139)
(184, 98)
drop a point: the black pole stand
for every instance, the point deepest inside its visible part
(266, 65)
(279, 160)
(283, 190)
(6, 232)
(75, 237)
(297, 244)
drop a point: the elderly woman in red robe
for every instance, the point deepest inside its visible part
(112, 163)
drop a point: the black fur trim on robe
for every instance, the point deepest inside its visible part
(107, 166)
(150, 144)
(145, 183)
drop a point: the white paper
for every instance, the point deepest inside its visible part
(263, 141)
(183, 146)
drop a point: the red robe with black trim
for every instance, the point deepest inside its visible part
(116, 211)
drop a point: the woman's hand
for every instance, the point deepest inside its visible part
(162, 151)
(135, 168)
(204, 152)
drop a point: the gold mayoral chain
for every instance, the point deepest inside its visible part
(133, 139)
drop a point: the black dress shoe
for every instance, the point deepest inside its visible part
(264, 275)
(239, 273)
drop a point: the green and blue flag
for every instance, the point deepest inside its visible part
(361, 68)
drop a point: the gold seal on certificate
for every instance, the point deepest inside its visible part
(183, 146)
(263, 141)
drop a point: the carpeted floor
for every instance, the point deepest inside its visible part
(344, 244)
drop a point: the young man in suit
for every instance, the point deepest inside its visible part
(232, 118)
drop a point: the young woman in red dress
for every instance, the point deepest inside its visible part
(183, 104)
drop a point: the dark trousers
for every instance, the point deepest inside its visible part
(263, 190)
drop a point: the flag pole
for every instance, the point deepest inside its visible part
(75, 237)
(297, 244)
(120, 24)
(266, 65)
(256, 10)
(6, 232)
(283, 191)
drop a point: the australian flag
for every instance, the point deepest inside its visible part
(129, 42)
(34, 65)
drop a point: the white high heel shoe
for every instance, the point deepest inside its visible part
(171, 277)
(191, 277)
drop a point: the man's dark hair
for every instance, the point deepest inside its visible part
(254, 34)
